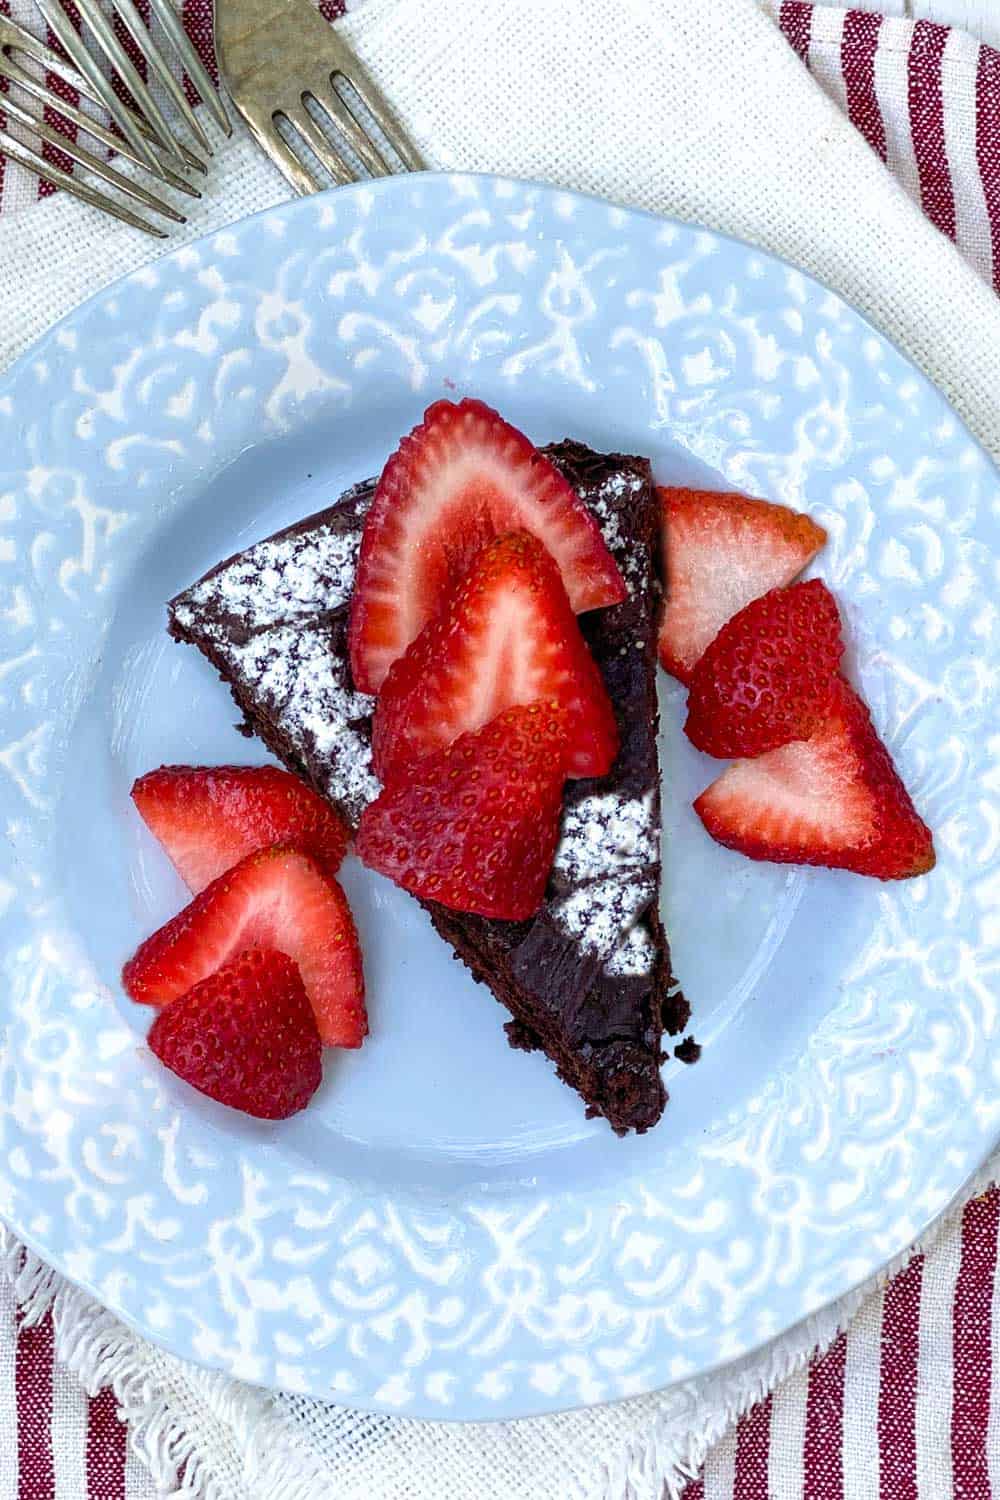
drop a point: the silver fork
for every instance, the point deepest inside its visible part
(278, 57)
(14, 39)
(99, 24)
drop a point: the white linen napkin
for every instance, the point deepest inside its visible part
(700, 111)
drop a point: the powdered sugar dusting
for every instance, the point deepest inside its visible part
(634, 956)
(284, 577)
(606, 832)
(600, 913)
(608, 853)
(605, 503)
(303, 687)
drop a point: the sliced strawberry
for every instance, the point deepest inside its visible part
(246, 1036)
(505, 636)
(275, 898)
(461, 478)
(475, 826)
(719, 552)
(835, 799)
(208, 818)
(769, 676)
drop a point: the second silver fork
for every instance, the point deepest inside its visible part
(280, 61)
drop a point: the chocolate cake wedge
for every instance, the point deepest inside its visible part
(588, 978)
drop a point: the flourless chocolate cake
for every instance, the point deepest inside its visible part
(588, 978)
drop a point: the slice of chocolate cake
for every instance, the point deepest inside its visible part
(588, 978)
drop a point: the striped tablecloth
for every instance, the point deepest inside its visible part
(904, 1404)
(56, 1442)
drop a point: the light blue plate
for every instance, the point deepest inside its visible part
(442, 1233)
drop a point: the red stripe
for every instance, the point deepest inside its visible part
(331, 10)
(753, 1447)
(198, 21)
(988, 144)
(107, 1441)
(52, 117)
(927, 124)
(36, 1478)
(695, 1490)
(897, 1390)
(118, 84)
(858, 46)
(795, 20)
(971, 1345)
(135, 54)
(822, 1456)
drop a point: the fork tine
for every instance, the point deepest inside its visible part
(168, 19)
(323, 149)
(15, 37)
(375, 105)
(344, 121)
(123, 65)
(35, 163)
(73, 46)
(266, 135)
(140, 34)
(92, 163)
(11, 70)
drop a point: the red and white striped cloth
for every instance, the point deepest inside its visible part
(56, 1443)
(905, 1405)
(927, 99)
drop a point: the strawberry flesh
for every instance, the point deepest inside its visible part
(245, 1036)
(506, 636)
(475, 826)
(455, 482)
(275, 898)
(835, 799)
(769, 676)
(208, 818)
(719, 552)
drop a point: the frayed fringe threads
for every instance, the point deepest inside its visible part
(101, 1351)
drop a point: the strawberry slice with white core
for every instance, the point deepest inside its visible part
(275, 898)
(208, 818)
(461, 478)
(835, 799)
(719, 553)
(505, 636)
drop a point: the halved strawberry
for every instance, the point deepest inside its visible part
(246, 1036)
(461, 478)
(208, 818)
(769, 676)
(505, 636)
(275, 898)
(475, 826)
(719, 552)
(835, 799)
